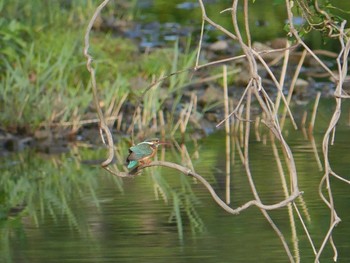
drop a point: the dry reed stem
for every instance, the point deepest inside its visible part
(233, 135)
(246, 23)
(282, 77)
(292, 85)
(82, 122)
(184, 122)
(211, 78)
(238, 106)
(162, 124)
(256, 128)
(279, 87)
(240, 57)
(227, 131)
(241, 124)
(314, 112)
(117, 109)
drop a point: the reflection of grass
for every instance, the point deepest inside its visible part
(183, 199)
(49, 185)
(64, 188)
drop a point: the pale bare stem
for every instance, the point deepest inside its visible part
(314, 112)
(83, 122)
(117, 173)
(320, 187)
(333, 135)
(221, 61)
(200, 44)
(162, 124)
(253, 68)
(246, 23)
(268, 106)
(292, 85)
(242, 57)
(116, 110)
(241, 123)
(103, 126)
(189, 110)
(256, 128)
(227, 130)
(282, 77)
(339, 177)
(234, 112)
(206, 18)
(328, 236)
(211, 78)
(279, 87)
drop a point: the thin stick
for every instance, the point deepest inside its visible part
(227, 130)
(314, 112)
(162, 124)
(292, 85)
(282, 77)
(246, 23)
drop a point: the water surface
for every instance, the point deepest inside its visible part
(75, 212)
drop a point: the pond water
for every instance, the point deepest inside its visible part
(163, 21)
(61, 209)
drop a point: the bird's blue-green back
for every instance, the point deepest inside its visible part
(141, 150)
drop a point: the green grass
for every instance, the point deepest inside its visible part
(44, 80)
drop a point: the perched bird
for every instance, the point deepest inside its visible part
(142, 153)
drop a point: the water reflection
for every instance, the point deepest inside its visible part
(58, 208)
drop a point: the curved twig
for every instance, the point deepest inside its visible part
(103, 126)
(216, 198)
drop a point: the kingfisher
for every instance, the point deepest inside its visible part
(142, 153)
